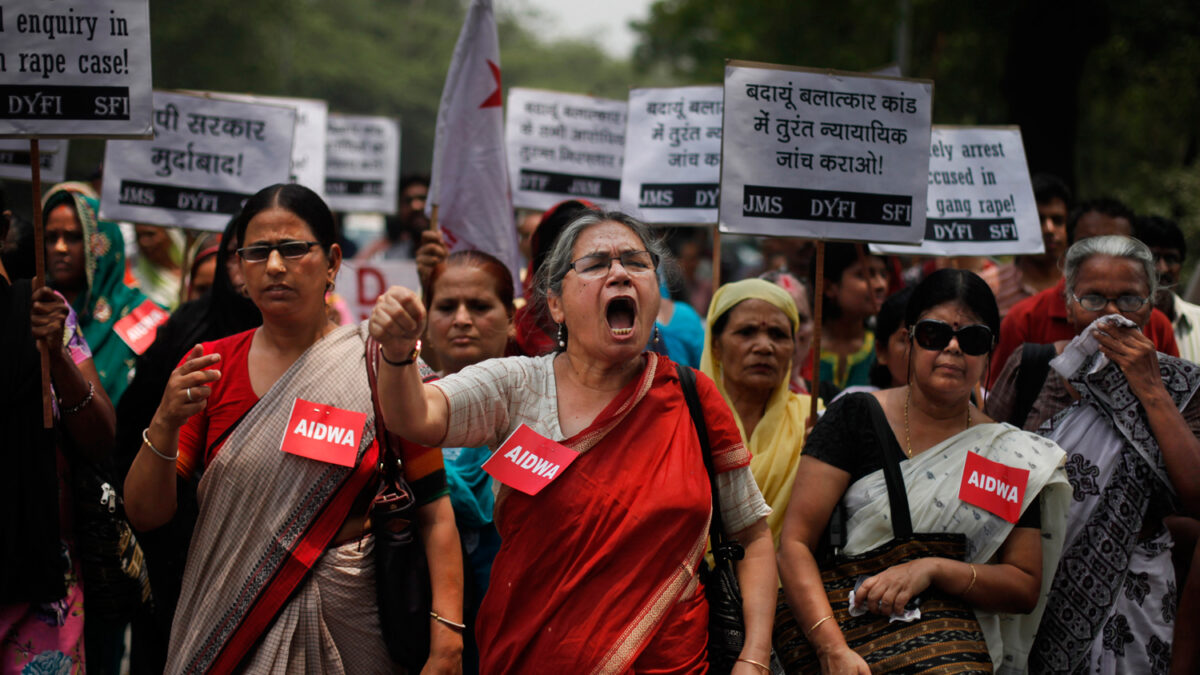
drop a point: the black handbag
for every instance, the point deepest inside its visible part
(402, 586)
(946, 638)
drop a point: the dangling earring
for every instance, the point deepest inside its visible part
(562, 338)
(657, 335)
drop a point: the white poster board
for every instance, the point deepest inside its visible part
(564, 146)
(75, 68)
(361, 282)
(207, 157)
(308, 141)
(673, 155)
(362, 163)
(824, 155)
(15, 160)
(980, 199)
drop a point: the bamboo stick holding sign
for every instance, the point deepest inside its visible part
(39, 278)
(818, 302)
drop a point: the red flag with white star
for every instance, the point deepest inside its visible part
(470, 175)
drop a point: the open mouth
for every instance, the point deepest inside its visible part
(621, 313)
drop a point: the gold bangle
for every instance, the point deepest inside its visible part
(458, 627)
(818, 624)
(974, 576)
(765, 668)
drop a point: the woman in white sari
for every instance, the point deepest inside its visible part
(1128, 418)
(935, 433)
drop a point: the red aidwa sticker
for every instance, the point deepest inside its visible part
(139, 327)
(993, 487)
(528, 462)
(323, 432)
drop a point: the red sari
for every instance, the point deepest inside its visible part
(597, 573)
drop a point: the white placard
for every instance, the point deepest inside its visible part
(673, 155)
(208, 156)
(362, 163)
(15, 159)
(75, 68)
(308, 141)
(980, 199)
(564, 146)
(824, 155)
(361, 282)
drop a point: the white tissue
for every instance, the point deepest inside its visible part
(1082, 346)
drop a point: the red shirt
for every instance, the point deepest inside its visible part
(232, 396)
(1042, 318)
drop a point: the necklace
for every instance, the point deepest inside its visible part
(907, 436)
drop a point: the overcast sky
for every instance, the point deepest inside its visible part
(605, 21)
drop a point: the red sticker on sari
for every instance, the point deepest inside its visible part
(323, 432)
(528, 462)
(139, 327)
(993, 487)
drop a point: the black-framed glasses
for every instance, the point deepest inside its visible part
(597, 265)
(1094, 302)
(934, 335)
(288, 249)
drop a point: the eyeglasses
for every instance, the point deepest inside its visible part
(597, 265)
(934, 335)
(1094, 302)
(290, 250)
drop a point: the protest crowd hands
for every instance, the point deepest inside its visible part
(187, 390)
(1136, 356)
(397, 322)
(48, 319)
(432, 252)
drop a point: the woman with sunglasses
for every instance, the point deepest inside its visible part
(932, 432)
(1128, 418)
(280, 572)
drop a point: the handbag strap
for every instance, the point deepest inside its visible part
(391, 466)
(1031, 377)
(897, 492)
(721, 546)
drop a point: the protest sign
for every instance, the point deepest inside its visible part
(15, 160)
(673, 155)
(361, 282)
(564, 146)
(308, 141)
(362, 163)
(825, 154)
(75, 68)
(980, 199)
(208, 156)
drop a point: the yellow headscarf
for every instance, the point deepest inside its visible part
(776, 443)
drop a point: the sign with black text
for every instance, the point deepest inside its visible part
(75, 68)
(980, 199)
(361, 282)
(824, 155)
(208, 156)
(564, 146)
(362, 163)
(673, 155)
(16, 160)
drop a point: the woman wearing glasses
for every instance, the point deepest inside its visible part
(932, 432)
(597, 572)
(280, 577)
(1128, 418)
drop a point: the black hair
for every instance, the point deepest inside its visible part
(1113, 208)
(954, 285)
(299, 200)
(888, 321)
(1048, 187)
(413, 179)
(839, 257)
(1159, 232)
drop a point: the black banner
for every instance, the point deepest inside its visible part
(22, 158)
(200, 200)
(971, 229)
(344, 186)
(53, 102)
(762, 201)
(565, 183)
(679, 195)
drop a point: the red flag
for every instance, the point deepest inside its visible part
(470, 175)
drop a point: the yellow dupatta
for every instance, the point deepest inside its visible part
(776, 444)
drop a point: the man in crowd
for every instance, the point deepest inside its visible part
(1030, 274)
(1166, 241)
(404, 229)
(1042, 318)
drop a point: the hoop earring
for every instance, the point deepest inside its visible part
(562, 337)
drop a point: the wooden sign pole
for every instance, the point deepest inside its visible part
(716, 258)
(39, 276)
(818, 301)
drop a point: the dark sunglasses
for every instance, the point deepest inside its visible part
(290, 250)
(934, 335)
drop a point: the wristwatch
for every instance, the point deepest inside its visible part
(412, 356)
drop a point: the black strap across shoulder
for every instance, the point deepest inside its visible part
(720, 544)
(897, 492)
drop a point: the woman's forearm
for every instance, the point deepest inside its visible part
(93, 427)
(759, 583)
(1179, 446)
(806, 596)
(410, 408)
(439, 534)
(150, 499)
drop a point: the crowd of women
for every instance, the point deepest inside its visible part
(850, 525)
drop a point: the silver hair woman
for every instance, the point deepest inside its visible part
(598, 567)
(1128, 419)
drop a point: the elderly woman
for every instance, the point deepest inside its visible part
(748, 354)
(279, 576)
(1128, 418)
(932, 431)
(598, 570)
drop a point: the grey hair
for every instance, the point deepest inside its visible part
(558, 260)
(1115, 246)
